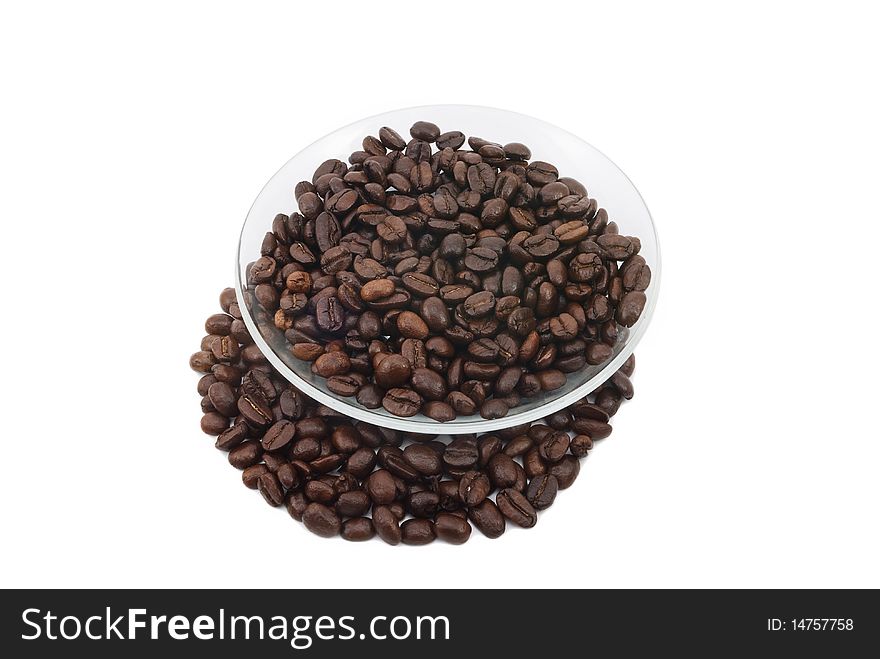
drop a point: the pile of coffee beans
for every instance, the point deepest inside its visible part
(427, 277)
(358, 480)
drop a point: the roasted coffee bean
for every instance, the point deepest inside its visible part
(521, 322)
(630, 308)
(452, 528)
(271, 489)
(321, 520)
(402, 402)
(254, 408)
(288, 476)
(357, 529)
(391, 139)
(619, 381)
(566, 471)
(386, 525)
(420, 285)
(278, 435)
(392, 371)
(515, 507)
(488, 519)
(423, 459)
(473, 488)
(381, 488)
(439, 411)
(376, 289)
(423, 504)
(332, 363)
(425, 131)
(327, 463)
(232, 436)
(461, 453)
(550, 379)
(411, 326)
(246, 454)
(428, 383)
(580, 445)
(202, 361)
(501, 470)
(494, 408)
(479, 304)
(592, 427)
(417, 531)
(542, 491)
(361, 463)
(330, 315)
(320, 491)
(461, 403)
(344, 385)
(223, 399)
(554, 447)
(250, 476)
(518, 446)
(296, 504)
(541, 245)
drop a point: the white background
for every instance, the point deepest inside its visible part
(134, 141)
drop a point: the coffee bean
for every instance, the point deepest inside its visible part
(344, 385)
(488, 519)
(631, 306)
(357, 529)
(551, 379)
(321, 520)
(592, 427)
(564, 327)
(461, 403)
(501, 470)
(423, 459)
(452, 528)
(622, 383)
(392, 371)
(423, 504)
(515, 507)
(473, 488)
(542, 491)
(566, 471)
(521, 322)
(481, 178)
(391, 139)
(428, 383)
(402, 402)
(376, 289)
(518, 446)
(271, 489)
(580, 445)
(411, 326)
(278, 435)
(332, 363)
(494, 409)
(417, 531)
(461, 453)
(246, 454)
(250, 476)
(232, 436)
(425, 131)
(254, 408)
(386, 525)
(381, 488)
(554, 447)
